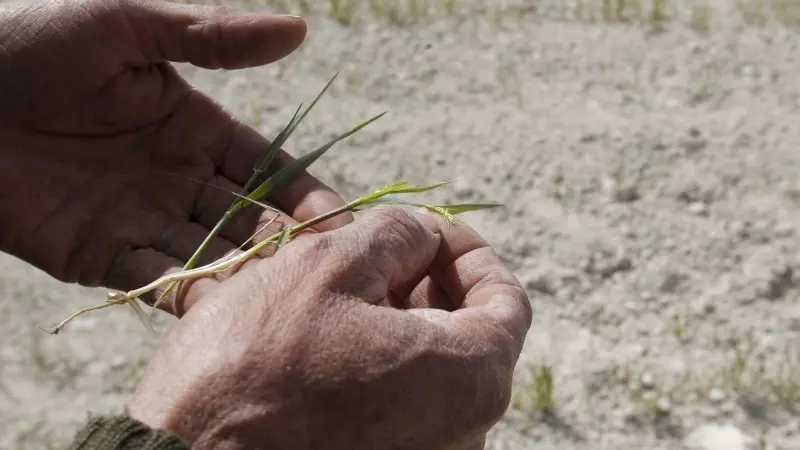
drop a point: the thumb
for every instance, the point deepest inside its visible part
(213, 37)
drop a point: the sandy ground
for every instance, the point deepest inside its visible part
(652, 210)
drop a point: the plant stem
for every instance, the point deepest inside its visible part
(228, 263)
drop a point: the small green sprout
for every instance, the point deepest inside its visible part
(253, 195)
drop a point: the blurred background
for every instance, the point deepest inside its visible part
(647, 155)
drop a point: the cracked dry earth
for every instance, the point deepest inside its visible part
(652, 210)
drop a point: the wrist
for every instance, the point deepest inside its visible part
(124, 433)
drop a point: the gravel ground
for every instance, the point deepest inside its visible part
(652, 212)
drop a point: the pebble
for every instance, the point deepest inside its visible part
(537, 281)
(716, 396)
(718, 437)
(647, 381)
(664, 406)
(671, 282)
(698, 209)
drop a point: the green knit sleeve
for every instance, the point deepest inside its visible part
(124, 433)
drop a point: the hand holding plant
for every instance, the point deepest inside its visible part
(294, 350)
(397, 330)
(100, 138)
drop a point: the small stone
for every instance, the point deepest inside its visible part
(695, 141)
(97, 368)
(698, 209)
(117, 361)
(740, 229)
(647, 381)
(463, 190)
(794, 324)
(718, 437)
(784, 230)
(624, 264)
(628, 231)
(539, 280)
(716, 396)
(671, 282)
(663, 406)
(625, 193)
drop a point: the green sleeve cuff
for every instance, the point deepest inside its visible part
(124, 433)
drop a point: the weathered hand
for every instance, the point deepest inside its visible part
(100, 137)
(296, 352)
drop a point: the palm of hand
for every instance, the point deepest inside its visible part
(103, 138)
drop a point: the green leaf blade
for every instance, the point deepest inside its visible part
(288, 173)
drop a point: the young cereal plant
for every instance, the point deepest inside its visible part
(658, 13)
(784, 381)
(448, 7)
(538, 394)
(254, 194)
(392, 12)
(344, 11)
(621, 9)
(701, 18)
(753, 12)
(305, 6)
(614, 10)
(786, 12)
(742, 373)
(608, 9)
(624, 187)
(544, 389)
(417, 10)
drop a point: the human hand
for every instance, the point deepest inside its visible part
(100, 138)
(302, 350)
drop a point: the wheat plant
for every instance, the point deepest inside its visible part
(252, 195)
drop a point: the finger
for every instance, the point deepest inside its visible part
(425, 294)
(137, 268)
(383, 250)
(459, 242)
(493, 305)
(303, 199)
(428, 292)
(213, 37)
(182, 239)
(251, 222)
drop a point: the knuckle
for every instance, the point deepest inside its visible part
(312, 247)
(393, 222)
(220, 10)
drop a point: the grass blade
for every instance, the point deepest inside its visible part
(261, 165)
(447, 211)
(272, 151)
(291, 171)
(469, 207)
(273, 148)
(313, 103)
(402, 187)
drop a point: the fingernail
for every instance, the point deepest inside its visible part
(292, 17)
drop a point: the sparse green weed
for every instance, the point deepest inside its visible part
(538, 394)
(701, 17)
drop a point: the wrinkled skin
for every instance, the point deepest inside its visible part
(304, 359)
(101, 139)
(392, 332)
